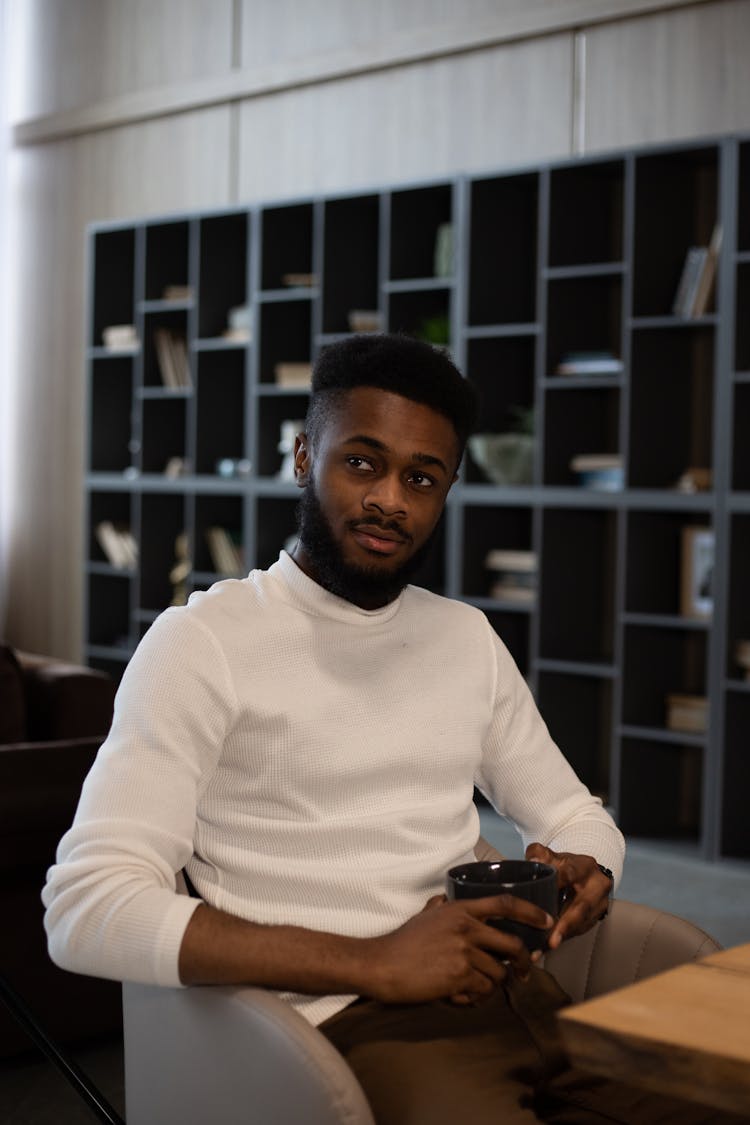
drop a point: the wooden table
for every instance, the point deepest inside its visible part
(685, 1032)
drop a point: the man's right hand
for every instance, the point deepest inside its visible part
(449, 951)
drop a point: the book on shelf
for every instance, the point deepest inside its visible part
(590, 363)
(514, 575)
(288, 374)
(118, 544)
(687, 713)
(697, 278)
(177, 293)
(226, 551)
(300, 280)
(172, 358)
(120, 337)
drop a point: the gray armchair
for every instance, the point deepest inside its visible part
(235, 1056)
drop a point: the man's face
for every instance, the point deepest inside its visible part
(375, 487)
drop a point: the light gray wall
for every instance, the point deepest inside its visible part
(126, 108)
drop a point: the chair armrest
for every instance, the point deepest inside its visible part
(231, 1056)
(65, 700)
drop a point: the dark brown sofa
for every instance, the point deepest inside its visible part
(53, 718)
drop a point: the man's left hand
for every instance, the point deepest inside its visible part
(590, 889)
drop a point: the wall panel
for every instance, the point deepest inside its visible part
(56, 190)
(670, 76)
(479, 110)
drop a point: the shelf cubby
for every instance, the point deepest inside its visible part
(587, 213)
(654, 560)
(272, 411)
(220, 409)
(503, 250)
(286, 243)
(738, 616)
(227, 513)
(114, 507)
(741, 443)
(743, 199)
(285, 335)
(578, 420)
(578, 712)
(584, 314)
(424, 313)
(502, 370)
(671, 393)
(163, 518)
(113, 299)
(660, 789)
(111, 395)
(350, 260)
(488, 528)
(741, 319)
(579, 548)
(167, 258)
(660, 662)
(223, 271)
(276, 523)
(164, 432)
(735, 839)
(109, 611)
(676, 207)
(416, 216)
(175, 322)
(514, 629)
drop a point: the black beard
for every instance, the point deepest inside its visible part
(367, 587)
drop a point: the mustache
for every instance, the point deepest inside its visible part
(382, 525)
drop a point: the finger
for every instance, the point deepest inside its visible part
(579, 917)
(436, 900)
(540, 853)
(508, 906)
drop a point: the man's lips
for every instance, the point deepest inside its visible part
(378, 539)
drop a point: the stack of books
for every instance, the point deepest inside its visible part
(601, 472)
(120, 337)
(589, 363)
(515, 575)
(118, 544)
(687, 713)
(290, 374)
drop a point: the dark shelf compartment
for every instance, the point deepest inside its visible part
(582, 420)
(164, 432)
(224, 253)
(676, 208)
(502, 370)
(660, 662)
(660, 789)
(485, 529)
(743, 208)
(108, 611)
(167, 257)
(285, 336)
(513, 631)
(503, 250)
(272, 411)
(276, 522)
(286, 243)
(174, 321)
(226, 512)
(163, 518)
(414, 313)
(671, 396)
(115, 507)
(111, 398)
(584, 314)
(741, 438)
(220, 409)
(741, 319)
(578, 712)
(735, 834)
(114, 295)
(586, 213)
(654, 562)
(577, 584)
(351, 259)
(416, 216)
(738, 616)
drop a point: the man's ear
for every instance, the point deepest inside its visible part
(302, 460)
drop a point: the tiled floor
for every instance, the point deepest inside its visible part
(714, 896)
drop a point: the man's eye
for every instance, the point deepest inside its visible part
(359, 463)
(422, 480)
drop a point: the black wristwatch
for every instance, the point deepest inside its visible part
(606, 871)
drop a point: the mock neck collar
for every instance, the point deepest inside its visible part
(310, 596)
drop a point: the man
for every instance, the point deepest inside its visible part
(305, 742)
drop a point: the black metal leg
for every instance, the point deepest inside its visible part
(80, 1082)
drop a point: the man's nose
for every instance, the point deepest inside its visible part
(387, 495)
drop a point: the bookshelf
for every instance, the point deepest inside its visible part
(520, 270)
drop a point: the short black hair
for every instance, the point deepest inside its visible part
(397, 363)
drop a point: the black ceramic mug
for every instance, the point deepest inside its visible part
(523, 878)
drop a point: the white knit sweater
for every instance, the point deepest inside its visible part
(311, 763)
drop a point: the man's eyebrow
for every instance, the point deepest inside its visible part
(381, 447)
